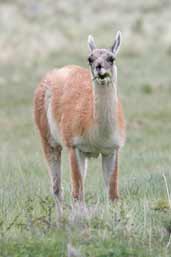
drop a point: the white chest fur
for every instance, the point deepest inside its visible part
(94, 143)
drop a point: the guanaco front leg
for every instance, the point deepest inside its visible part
(78, 165)
(111, 173)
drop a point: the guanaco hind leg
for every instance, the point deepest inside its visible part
(53, 157)
(111, 173)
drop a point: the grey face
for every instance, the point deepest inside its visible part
(102, 61)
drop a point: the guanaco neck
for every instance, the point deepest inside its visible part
(105, 101)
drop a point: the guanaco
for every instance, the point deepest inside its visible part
(80, 109)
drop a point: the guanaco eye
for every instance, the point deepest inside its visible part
(110, 59)
(90, 59)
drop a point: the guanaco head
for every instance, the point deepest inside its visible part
(102, 61)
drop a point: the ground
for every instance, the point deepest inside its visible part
(36, 37)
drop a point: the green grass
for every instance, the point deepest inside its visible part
(139, 224)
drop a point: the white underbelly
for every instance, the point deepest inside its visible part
(93, 146)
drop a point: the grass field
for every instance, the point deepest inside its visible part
(36, 37)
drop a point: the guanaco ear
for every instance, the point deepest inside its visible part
(117, 43)
(91, 43)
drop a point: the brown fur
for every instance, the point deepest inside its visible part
(113, 185)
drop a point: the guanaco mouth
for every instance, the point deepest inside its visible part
(103, 76)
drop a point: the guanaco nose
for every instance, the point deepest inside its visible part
(98, 67)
